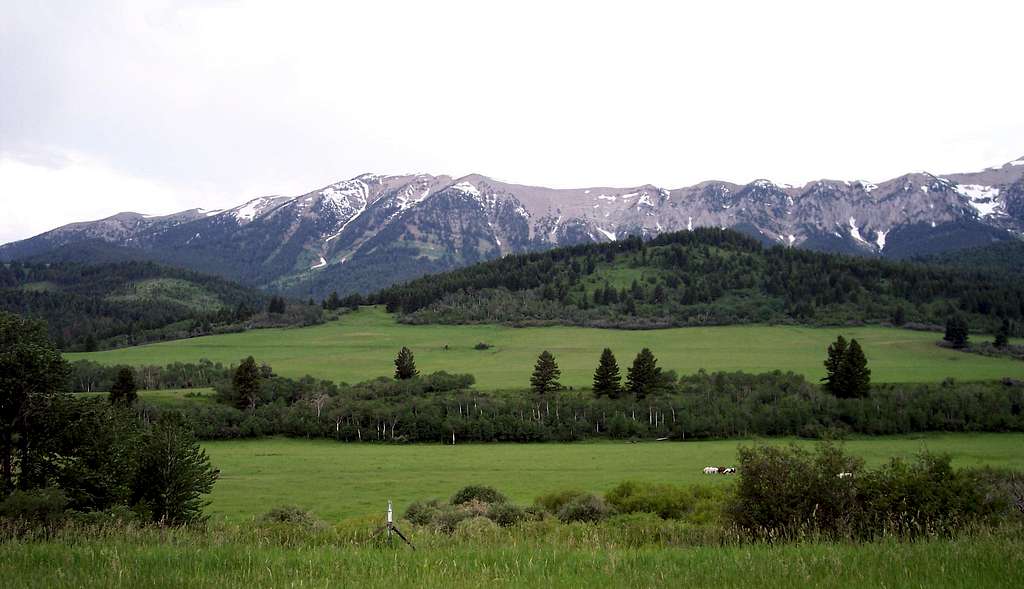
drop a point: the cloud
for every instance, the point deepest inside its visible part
(247, 97)
(38, 197)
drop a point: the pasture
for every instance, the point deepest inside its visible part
(362, 345)
(226, 557)
(348, 480)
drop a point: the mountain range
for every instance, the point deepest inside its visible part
(371, 231)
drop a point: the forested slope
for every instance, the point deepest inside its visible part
(83, 305)
(705, 276)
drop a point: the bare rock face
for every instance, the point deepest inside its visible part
(370, 231)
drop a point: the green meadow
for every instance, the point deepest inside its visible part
(227, 557)
(363, 344)
(339, 480)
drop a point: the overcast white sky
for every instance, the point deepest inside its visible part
(157, 106)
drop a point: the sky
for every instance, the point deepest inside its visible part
(157, 106)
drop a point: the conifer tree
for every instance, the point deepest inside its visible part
(899, 317)
(405, 365)
(545, 374)
(607, 379)
(644, 375)
(856, 376)
(1002, 335)
(956, 331)
(123, 391)
(833, 366)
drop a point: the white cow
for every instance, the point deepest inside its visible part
(710, 470)
(844, 475)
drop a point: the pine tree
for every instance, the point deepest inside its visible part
(856, 376)
(276, 306)
(833, 366)
(644, 376)
(246, 384)
(607, 380)
(1002, 335)
(899, 316)
(405, 365)
(956, 331)
(123, 391)
(545, 375)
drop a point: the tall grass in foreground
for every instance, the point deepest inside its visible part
(543, 554)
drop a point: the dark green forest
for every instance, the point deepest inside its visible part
(703, 277)
(129, 303)
(1006, 257)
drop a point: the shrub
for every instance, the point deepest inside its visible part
(786, 490)
(585, 508)
(506, 514)
(421, 513)
(666, 501)
(38, 507)
(290, 514)
(448, 518)
(926, 496)
(481, 493)
(553, 502)
(476, 528)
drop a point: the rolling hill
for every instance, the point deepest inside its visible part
(123, 303)
(703, 277)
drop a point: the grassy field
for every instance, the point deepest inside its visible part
(178, 558)
(344, 480)
(168, 397)
(363, 345)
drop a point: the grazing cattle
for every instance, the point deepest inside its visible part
(710, 470)
(729, 470)
(844, 475)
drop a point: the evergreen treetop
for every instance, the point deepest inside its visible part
(545, 375)
(607, 378)
(405, 364)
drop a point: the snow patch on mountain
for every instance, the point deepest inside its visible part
(609, 234)
(320, 264)
(984, 199)
(467, 188)
(854, 231)
(880, 239)
(254, 208)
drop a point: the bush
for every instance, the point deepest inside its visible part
(290, 514)
(476, 528)
(506, 514)
(585, 508)
(924, 497)
(785, 490)
(665, 501)
(38, 507)
(481, 493)
(554, 502)
(448, 518)
(421, 513)
(788, 492)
